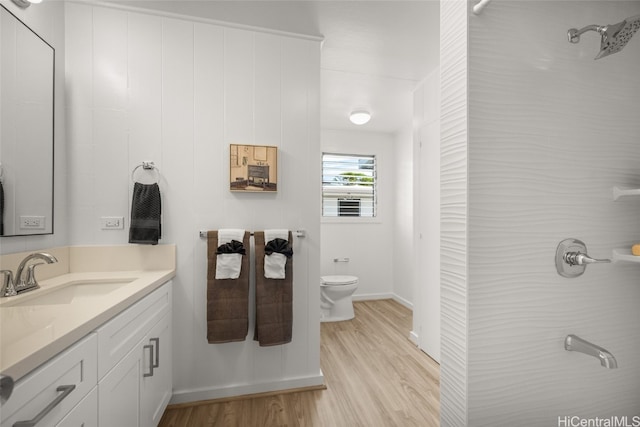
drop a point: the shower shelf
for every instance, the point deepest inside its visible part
(621, 192)
(624, 254)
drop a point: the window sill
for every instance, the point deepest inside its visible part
(348, 220)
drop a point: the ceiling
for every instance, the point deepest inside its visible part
(373, 55)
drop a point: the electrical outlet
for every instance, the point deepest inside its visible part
(112, 222)
(32, 222)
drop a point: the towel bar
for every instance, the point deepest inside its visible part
(297, 233)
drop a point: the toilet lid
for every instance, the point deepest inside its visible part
(339, 280)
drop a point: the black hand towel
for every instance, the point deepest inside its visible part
(145, 214)
(232, 247)
(280, 246)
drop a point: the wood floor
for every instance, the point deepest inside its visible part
(375, 377)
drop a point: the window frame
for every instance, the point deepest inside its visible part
(375, 218)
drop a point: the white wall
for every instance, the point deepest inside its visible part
(47, 20)
(426, 256)
(147, 87)
(368, 243)
(403, 247)
(551, 131)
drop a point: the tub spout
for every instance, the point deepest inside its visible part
(574, 343)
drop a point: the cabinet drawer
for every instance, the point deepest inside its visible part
(65, 379)
(117, 337)
(85, 414)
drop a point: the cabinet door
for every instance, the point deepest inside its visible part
(157, 365)
(119, 392)
(85, 414)
(117, 337)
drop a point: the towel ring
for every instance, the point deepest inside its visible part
(146, 166)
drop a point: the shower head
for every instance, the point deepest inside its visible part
(614, 37)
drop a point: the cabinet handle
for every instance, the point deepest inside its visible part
(157, 362)
(66, 389)
(150, 347)
(6, 388)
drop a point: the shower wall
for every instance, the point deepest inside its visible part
(550, 133)
(453, 212)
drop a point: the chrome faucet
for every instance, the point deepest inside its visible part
(574, 343)
(24, 282)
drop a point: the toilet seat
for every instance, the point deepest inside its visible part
(338, 280)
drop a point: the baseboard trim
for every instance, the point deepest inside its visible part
(413, 337)
(403, 301)
(217, 394)
(370, 297)
(389, 295)
(246, 396)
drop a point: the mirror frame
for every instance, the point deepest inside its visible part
(49, 228)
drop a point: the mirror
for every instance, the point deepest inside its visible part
(26, 129)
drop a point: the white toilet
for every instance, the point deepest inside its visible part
(335, 298)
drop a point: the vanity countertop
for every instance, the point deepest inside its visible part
(32, 332)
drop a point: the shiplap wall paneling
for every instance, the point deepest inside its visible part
(178, 92)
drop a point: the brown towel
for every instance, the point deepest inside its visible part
(274, 310)
(227, 299)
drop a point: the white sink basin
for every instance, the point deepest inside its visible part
(70, 292)
(26, 322)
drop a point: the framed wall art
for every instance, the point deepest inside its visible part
(253, 168)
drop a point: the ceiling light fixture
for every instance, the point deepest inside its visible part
(360, 117)
(25, 3)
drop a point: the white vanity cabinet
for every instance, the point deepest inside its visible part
(134, 367)
(119, 375)
(55, 390)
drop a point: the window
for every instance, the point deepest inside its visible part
(348, 185)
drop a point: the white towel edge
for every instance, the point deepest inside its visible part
(226, 235)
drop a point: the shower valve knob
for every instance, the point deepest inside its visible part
(572, 259)
(578, 258)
